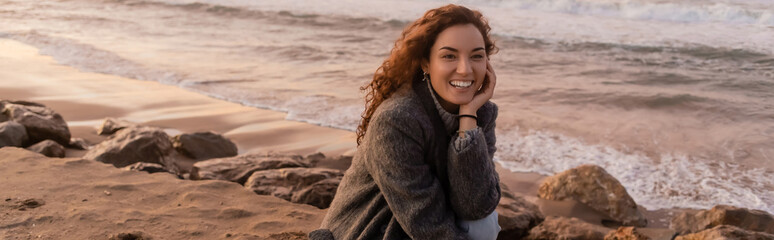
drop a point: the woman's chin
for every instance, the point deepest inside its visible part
(461, 101)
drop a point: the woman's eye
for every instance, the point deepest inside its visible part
(478, 56)
(448, 56)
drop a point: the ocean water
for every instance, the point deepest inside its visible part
(674, 98)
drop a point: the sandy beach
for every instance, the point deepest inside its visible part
(87, 200)
(91, 200)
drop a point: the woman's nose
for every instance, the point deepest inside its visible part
(463, 67)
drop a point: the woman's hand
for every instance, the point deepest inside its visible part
(483, 95)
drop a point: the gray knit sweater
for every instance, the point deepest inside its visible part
(391, 190)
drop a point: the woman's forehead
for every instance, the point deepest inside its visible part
(459, 37)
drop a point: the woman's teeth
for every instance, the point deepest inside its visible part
(461, 84)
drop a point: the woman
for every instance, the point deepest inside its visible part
(423, 168)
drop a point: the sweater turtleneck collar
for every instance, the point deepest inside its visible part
(449, 119)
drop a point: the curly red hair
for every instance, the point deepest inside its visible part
(413, 46)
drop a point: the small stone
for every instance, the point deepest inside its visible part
(107, 193)
(48, 148)
(228, 234)
(31, 203)
(84, 200)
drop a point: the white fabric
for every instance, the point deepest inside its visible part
(482, 229)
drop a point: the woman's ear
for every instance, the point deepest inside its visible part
(424, 65)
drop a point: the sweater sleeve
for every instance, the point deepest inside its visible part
(475, 190)
(396, 162)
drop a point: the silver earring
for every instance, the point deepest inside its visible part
(425, 76)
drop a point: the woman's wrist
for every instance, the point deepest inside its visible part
(467, 110)
(466, 123)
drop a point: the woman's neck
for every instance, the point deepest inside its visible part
(449, 107)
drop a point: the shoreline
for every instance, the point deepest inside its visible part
(84, 99)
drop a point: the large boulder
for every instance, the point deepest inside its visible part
(12, 134)
(726, 232)
(132, 145)
(204, 145)
(48, 148)
(40, 122)
(626, 233)
(562, 228)
(753, 220)
(287, 183)
(516, 215)
(593, 186)
(238, 169)
(112, 125)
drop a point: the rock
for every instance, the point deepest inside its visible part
(286, 182)
(238, 169)
(112, 125)
(146, 167)
(340, 162)
(593, 186)
(130, 236)
(79, 143)
(41, 122)
(288, 236)
(29, 203)
(625, 233)
(566, 228)
(48, 148)
(20, 102)
(753, 220)
(204, 145)
(12, 134)
(314, 158)
(319, 194)
(726, 232)
(132, 145)
(515, 215)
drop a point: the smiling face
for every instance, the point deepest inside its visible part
(457, 65)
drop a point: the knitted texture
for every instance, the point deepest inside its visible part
(391, 192)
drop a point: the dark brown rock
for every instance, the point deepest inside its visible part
(286, 182)
(204, 145)
(40, 122)
(12, 134)
(314, 158)
(130, 236)
(516, 215)
(26, 204)
(319, 194)
(726, 232)
(562, 228)
(132, 145)
(753, 220)
(112, 125)
(593, 186)
(625, 233)
(48, 148)
(238, 169)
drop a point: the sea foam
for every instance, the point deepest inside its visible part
(671, 180)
